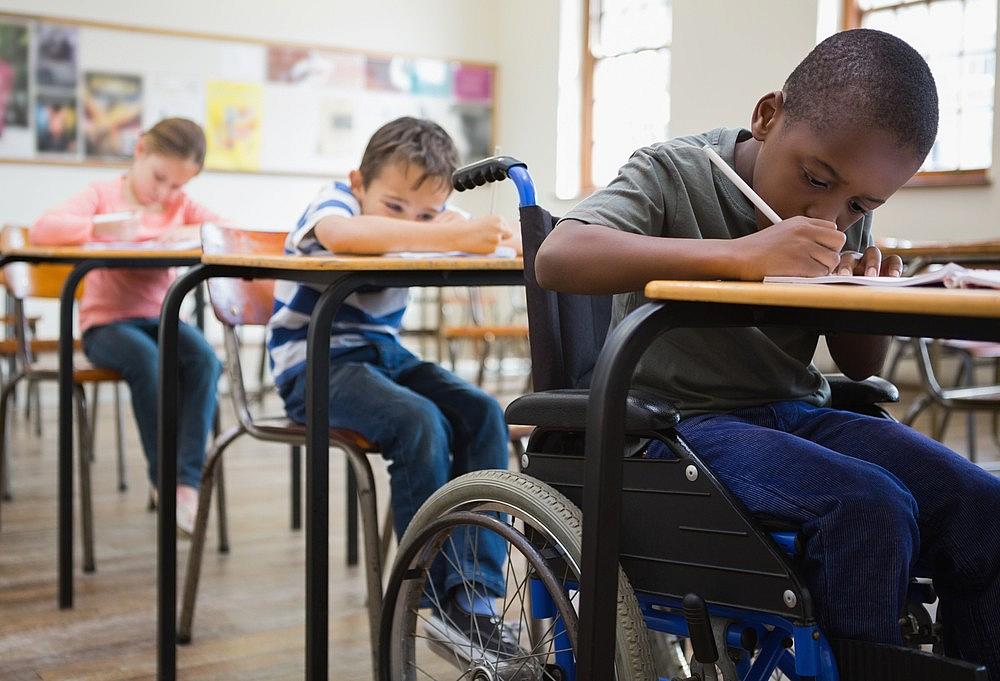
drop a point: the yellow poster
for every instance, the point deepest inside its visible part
(233, 125)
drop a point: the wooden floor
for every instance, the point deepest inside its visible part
(249, 623)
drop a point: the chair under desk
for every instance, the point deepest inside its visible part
(966, 314)
(341, 275)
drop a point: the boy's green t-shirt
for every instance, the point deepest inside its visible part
(673, 190)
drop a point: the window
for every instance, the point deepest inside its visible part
(958, 40)
(626, 83)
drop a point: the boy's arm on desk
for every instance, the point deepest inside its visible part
(377, 235)
(585, 258)
(592, 259)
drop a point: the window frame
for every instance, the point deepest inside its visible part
(588, 66)
(851, 18)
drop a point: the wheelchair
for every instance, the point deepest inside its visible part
(705, 591)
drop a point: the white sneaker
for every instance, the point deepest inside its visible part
(187, 509)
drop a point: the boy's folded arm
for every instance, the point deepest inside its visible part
(593, 259)
(376, 235)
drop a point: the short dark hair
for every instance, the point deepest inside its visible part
(409, 140)
(868, 78)
(179, 138)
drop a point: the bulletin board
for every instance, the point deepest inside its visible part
(80, 93)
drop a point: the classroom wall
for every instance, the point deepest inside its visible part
(452, 28)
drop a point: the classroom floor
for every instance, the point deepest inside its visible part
(249, 620)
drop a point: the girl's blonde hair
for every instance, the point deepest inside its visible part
(177, 137)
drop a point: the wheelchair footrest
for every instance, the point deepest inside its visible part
(863, 661)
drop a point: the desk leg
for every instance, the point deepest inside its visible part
(166, 624)
(318, 477)
(66, 300)
(602, 484)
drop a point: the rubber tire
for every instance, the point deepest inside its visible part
(563, 520)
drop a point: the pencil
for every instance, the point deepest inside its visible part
(741, 185)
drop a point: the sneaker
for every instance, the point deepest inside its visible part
(187, 508)
(480, 642)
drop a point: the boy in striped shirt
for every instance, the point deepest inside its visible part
(430, 425)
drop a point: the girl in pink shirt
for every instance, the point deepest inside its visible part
(120, 308)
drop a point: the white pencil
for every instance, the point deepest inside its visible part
(741, 185)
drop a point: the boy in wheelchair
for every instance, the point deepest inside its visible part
(875, 501)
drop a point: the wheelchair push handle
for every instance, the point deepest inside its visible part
(496, 169)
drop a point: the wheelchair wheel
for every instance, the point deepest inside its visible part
(541, 532)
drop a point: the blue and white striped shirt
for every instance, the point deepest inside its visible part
(363, 318)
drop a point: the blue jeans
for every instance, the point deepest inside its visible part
(431, 426)
(877, 502)
(129, 347)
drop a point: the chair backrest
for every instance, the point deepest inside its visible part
(566, 331)
(238, 302)
(24, 280)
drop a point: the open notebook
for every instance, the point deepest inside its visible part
(500, 252)
(950, 276)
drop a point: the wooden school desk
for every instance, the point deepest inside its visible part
(968, 314)
(918, 255)
(84, 258)
(341, 275)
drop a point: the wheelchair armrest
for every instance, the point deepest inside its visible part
(567, 410)
(848, 394)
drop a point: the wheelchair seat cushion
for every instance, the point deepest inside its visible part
(848, 394)
(567, 410)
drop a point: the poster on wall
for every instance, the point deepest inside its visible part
(233, 125)
(56, 63)
(56, 77)
(336, 133)
(299, 65)
(473, 83)
(112, 114)
(430, 77)
(14, 42)
(169, 96)
(56, 124)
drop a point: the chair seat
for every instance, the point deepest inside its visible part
(38, 346)
(977, 349)
(83, 371)
(283, 429)
(501, 331)
(982, 397)
(567, 410)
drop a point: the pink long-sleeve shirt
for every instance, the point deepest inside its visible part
(110, 295)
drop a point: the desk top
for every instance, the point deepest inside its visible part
(91, 252)
(349, 263)
(929, 301)
(941, 250)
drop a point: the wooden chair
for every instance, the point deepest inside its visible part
(46, 281)
(239, 304)
(483, 327)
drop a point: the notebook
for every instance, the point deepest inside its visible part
(950, 276)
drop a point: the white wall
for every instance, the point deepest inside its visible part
(448, 28)
(726, 55)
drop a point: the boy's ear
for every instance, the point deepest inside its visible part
(357, 183)
(766, 114)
